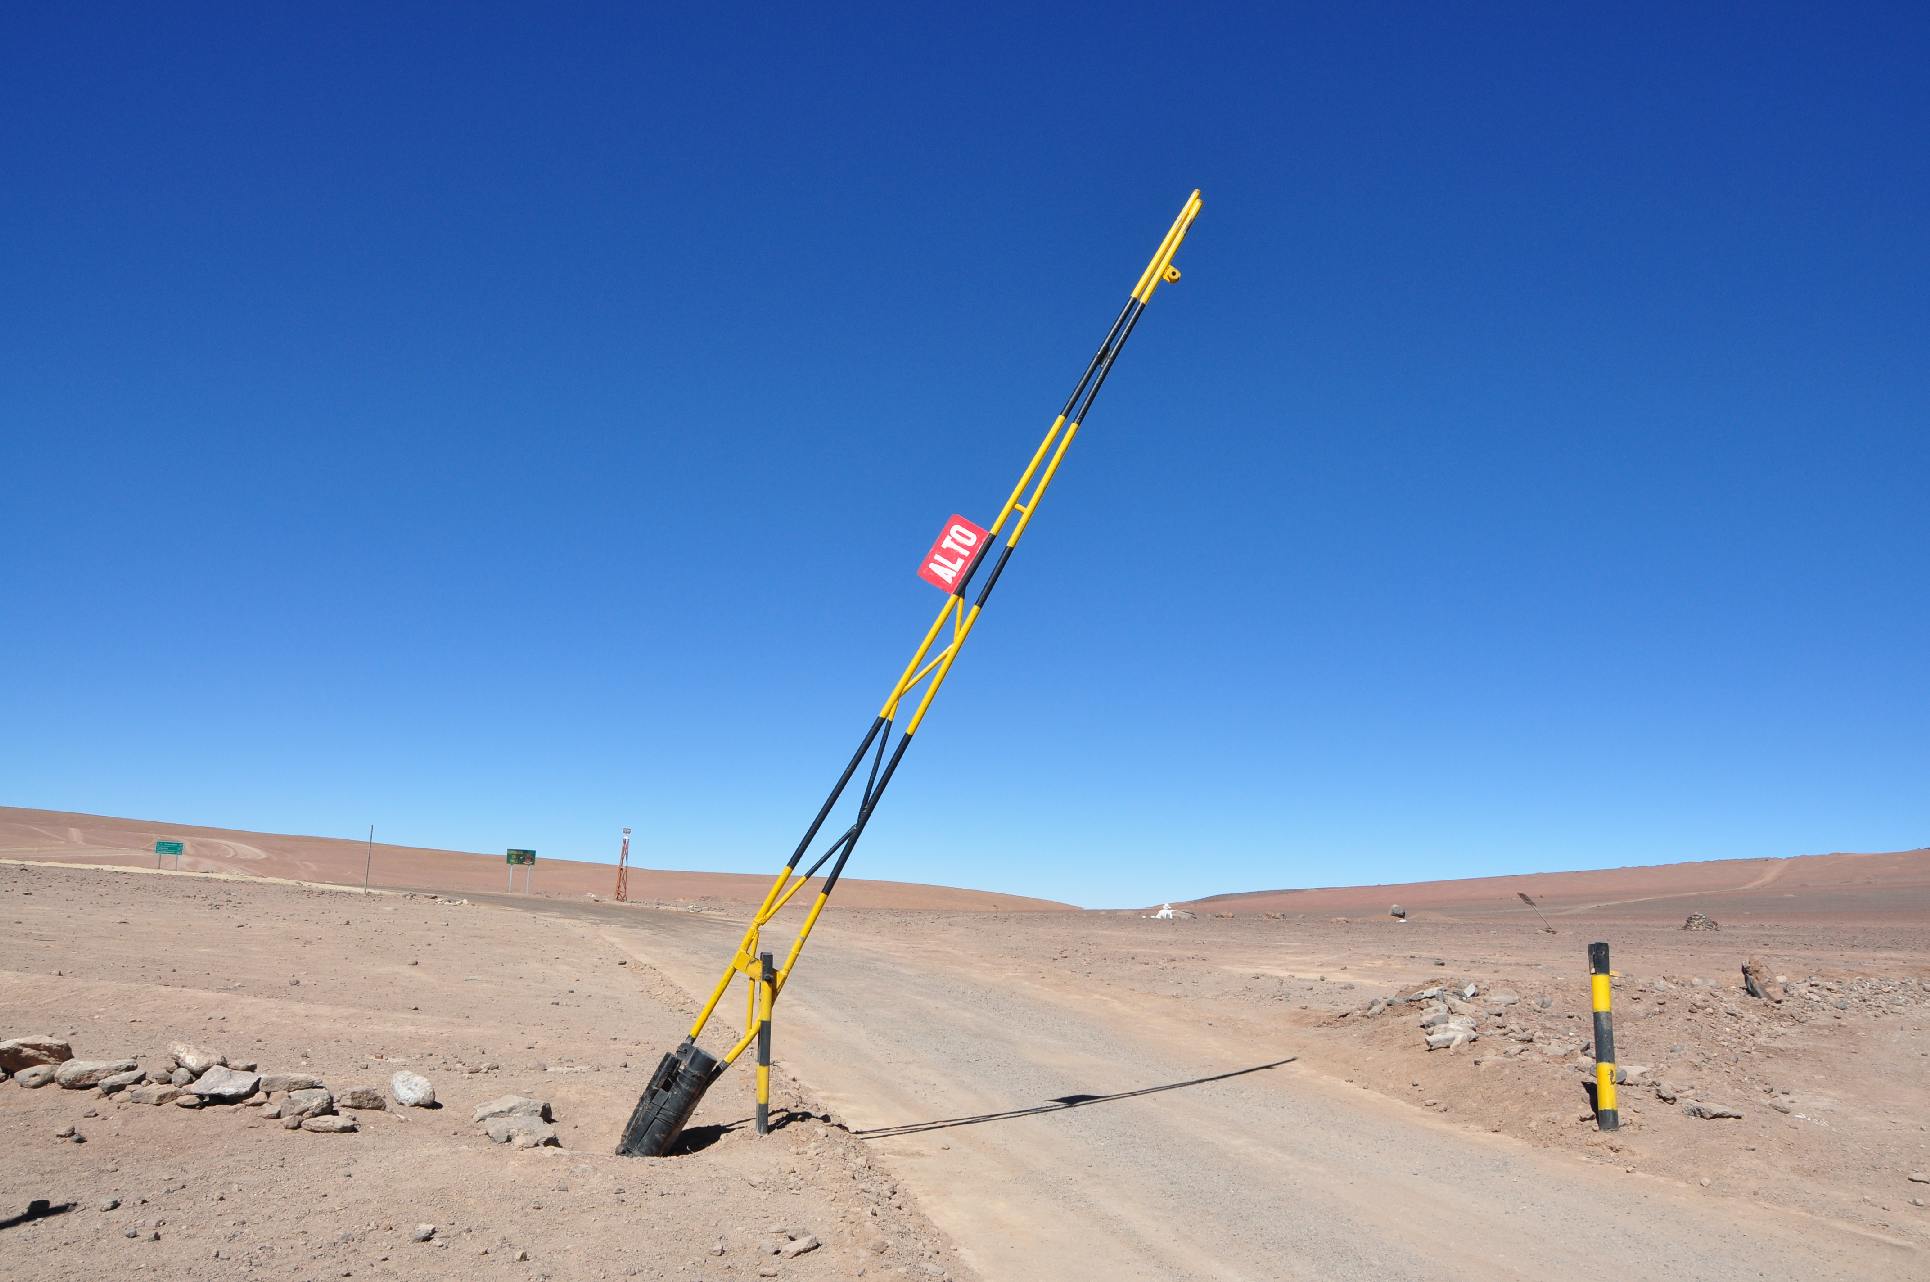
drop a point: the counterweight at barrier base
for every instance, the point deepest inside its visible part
(684, 1074)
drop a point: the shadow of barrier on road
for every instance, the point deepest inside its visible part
(38, 1209)
(1061, 1104)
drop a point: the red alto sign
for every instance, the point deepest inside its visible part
(957, 544)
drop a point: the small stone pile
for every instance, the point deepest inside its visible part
(192, 1076)
(1449, 1013)
(1700, 921)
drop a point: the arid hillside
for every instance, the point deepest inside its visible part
(1811, 886)
(62, 837)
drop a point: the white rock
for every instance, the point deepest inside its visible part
(196, 1059)
(412, 1089)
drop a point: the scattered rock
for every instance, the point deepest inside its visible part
(282, 1083)
(524, 1130)
(1709, 1112)
(1448, 1038)
(196, 1059)
(361, 1097)
(423, 1232)
(799, 1246)
(36, 1049)
(36, 1076)
(1919, 1177)
(1397, 911)
(513, 1105)
(224, 1084)
(121, 1081)
(412, 1089)
(328, 1124)
(180, 1077)
(312, 1102)
(152, 1093)
(1700, 921)
(109, 1203)
(185, 1100)
(84, 1074)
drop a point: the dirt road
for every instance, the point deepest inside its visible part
(1060, 1133)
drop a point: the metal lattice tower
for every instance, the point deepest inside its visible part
(623, 869)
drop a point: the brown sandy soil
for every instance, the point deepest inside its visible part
(484, 1002)
(64, 837)
(1065, 1095)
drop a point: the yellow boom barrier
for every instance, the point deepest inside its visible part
(683, 1075)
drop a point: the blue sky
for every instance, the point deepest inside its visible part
(502, 427)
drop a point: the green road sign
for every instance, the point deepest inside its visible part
(522, 856)
(168, 848)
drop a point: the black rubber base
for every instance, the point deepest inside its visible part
(668, 1101)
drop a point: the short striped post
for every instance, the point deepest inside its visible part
(766, 985)
(1606, 1118)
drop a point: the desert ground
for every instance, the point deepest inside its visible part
(1242, 1092)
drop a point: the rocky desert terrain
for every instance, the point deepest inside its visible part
(1246, 1090)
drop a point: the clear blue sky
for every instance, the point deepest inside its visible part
(504, 426)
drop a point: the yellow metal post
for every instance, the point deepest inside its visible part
(767, 989)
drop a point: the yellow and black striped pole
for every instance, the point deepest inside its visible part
(1599, 977)
(686, 1072)
(767, 997)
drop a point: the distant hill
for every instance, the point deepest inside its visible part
(1892, 883)
(64, 837)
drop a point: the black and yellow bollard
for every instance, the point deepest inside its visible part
(767, 986)
(1598, 978)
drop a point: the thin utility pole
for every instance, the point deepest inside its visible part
(370, 861)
